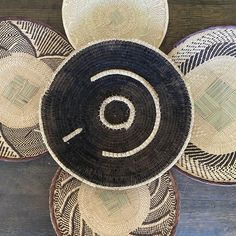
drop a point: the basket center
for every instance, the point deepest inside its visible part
(116, 213)
(117, 112)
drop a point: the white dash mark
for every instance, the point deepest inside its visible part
(12, 46)
(37, 131)
(72, 135)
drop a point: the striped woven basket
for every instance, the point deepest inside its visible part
(77, 209)
(208, 61)
(29, 53)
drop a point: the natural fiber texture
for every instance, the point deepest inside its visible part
(23, 80)
(117, 114)
(29, 53)
(77, 209)
(92, 20)
(208, 60)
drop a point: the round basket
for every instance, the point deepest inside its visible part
(208, 60)
(116, 115)
(92, 20)
(29, 53)
(78, 209)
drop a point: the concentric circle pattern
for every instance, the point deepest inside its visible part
(29, 53)
(117, 114)
(78, 209)
(92, 20)
(208, 60)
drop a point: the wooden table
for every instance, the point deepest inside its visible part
(206, 210)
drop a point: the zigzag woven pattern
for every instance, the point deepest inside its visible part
(67, 219)
(23, 38)
(40, 36)
(196, 51)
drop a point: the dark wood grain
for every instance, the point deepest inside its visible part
(47, 11)
(24, 198)
(189, 16)
(205, 210)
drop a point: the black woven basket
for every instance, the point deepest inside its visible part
(117, 114)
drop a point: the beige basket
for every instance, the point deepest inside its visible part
(78, 209)
(92, 20)
(208, 60)
(29, 53)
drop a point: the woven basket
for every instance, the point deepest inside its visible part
(117, 114)
(208, 60)
(29, 53)
(92, 20)
(77, 209)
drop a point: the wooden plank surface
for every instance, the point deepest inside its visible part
(205, 210)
